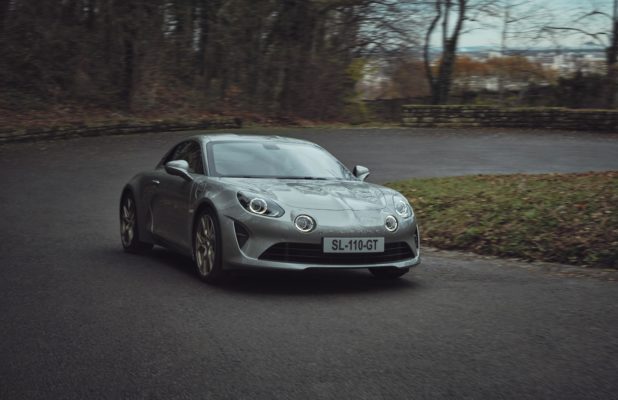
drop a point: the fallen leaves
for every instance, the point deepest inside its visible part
(566, 218)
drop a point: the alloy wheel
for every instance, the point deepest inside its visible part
(127, 222)
(205, 245)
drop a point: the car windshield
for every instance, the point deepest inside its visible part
(247, 159)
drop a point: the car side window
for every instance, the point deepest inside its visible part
(190, 152)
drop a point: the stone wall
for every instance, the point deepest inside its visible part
(486, 116)
(83, 130)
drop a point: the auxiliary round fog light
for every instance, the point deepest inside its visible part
(304, 223)
(258, 206)
(391, 223)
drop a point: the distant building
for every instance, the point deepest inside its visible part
(565, 62)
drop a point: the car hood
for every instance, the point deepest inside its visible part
(315, 194)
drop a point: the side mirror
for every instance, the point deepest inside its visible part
(361, 172)
(179, 168)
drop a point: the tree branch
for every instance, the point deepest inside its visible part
(593, 13)
(432, 27)
(595, 35)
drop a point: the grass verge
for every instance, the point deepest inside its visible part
(565, 218)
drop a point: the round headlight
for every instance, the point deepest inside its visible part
(402, 208)
(258, 206)
(304, 223)
(391, 223)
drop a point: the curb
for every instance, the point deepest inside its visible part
(81, 130)
(556, 269)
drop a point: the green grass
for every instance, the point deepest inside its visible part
(565, 218)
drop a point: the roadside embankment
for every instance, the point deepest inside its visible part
(9, 135)
(564, 218)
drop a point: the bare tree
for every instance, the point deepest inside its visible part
(520, 21)
(601, 26)
(290, 57)
(444, 11)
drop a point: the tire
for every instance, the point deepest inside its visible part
(389, 273)
(129, 229)
(207, 247)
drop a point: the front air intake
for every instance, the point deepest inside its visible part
(313, 254)
(242, 235)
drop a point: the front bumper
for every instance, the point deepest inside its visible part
(265, 232)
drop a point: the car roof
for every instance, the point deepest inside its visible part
(232, 137)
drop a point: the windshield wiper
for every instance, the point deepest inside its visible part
(313, 178)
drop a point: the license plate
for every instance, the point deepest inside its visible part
(353, 245)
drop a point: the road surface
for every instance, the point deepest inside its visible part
(81, 319)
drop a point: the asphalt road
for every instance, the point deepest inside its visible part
(81, 319)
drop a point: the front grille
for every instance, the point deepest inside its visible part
(313, 254)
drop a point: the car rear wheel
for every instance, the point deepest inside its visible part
(388, 273)
(129, 232)
(207, 247)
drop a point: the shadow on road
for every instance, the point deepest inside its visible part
(273, 282)
(312, 282)
(172, 259)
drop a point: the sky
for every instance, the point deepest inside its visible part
(561, 12)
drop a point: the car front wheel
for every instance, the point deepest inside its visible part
(207, 247)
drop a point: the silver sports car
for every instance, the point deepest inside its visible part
(245, 202)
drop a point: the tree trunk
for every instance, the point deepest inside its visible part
(296, 26)
(431, 80)
(129, 56)
(129, 72)
(91, 16)
(441, 85)
(612, 59)
(4, 12)
(204, 24)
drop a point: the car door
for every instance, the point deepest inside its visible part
(172, 201)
